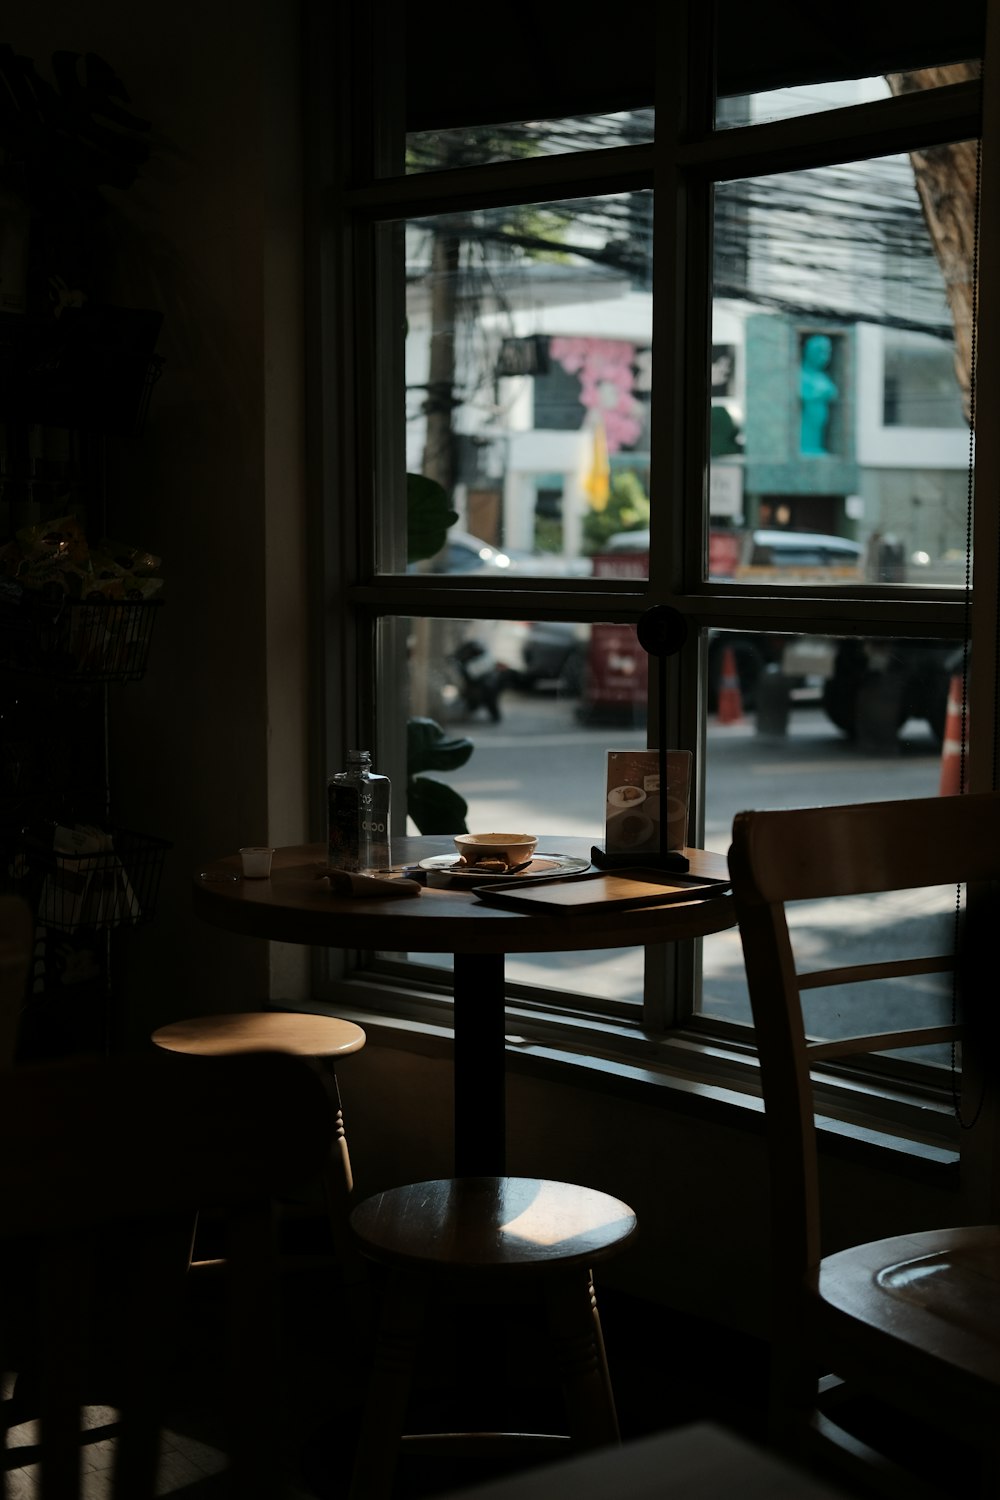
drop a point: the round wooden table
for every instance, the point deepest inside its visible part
(295, 905)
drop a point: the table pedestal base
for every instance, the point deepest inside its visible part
(480, 1105)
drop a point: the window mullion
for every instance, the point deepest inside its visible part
(880, 127)
(502, 183)
(680, 346)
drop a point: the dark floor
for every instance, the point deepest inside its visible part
(667, 1369)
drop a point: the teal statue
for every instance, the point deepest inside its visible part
(817, 391)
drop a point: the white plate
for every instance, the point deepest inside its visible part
(541, 866)
(617, 797)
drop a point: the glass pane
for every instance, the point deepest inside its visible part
(840, 373)
(538, 734)
(533, 674)
(871, 929)
(473, 145)
(528, 346)
(548, 683)
(826, 934)
(805, 721)
(815, 98)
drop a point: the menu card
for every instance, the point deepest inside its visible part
(601, 892)
(635, 803)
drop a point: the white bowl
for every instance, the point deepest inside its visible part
(513, 848)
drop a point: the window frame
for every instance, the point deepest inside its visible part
(355, 311)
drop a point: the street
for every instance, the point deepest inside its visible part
(539, 770)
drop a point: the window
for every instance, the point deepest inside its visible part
(646, 368)
(920, 389)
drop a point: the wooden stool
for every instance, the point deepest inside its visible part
(320, 1038)
(495, 1236)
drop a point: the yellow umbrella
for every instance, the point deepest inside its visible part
(597, 480)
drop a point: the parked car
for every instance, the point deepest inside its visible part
(465, 553)
(799, 556)
(607, 669)
(784, 557)
(868, 687)
(554, 654)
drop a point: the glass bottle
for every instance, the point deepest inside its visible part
(358, 817)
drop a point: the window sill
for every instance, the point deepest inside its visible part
(706, 1088)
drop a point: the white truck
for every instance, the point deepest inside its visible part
(868, 687)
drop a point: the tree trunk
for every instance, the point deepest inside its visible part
(947, 182)
(439, 443)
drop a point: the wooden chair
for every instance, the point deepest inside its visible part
(323, 1039)
(486, 1239)
(912, 1320)
(128, 1149)
(17, 932)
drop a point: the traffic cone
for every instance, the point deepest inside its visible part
(730, 705)
(951, 745)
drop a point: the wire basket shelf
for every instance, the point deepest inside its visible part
(83, 640)
(115, 887)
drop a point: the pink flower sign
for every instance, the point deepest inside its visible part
(607, 378)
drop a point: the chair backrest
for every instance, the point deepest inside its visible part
(130, 1150)
(17, 935)
(782, 857)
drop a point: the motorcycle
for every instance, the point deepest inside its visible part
(479, 679)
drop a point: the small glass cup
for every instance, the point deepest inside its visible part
(256, 862)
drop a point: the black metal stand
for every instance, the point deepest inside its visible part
(662, 632)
